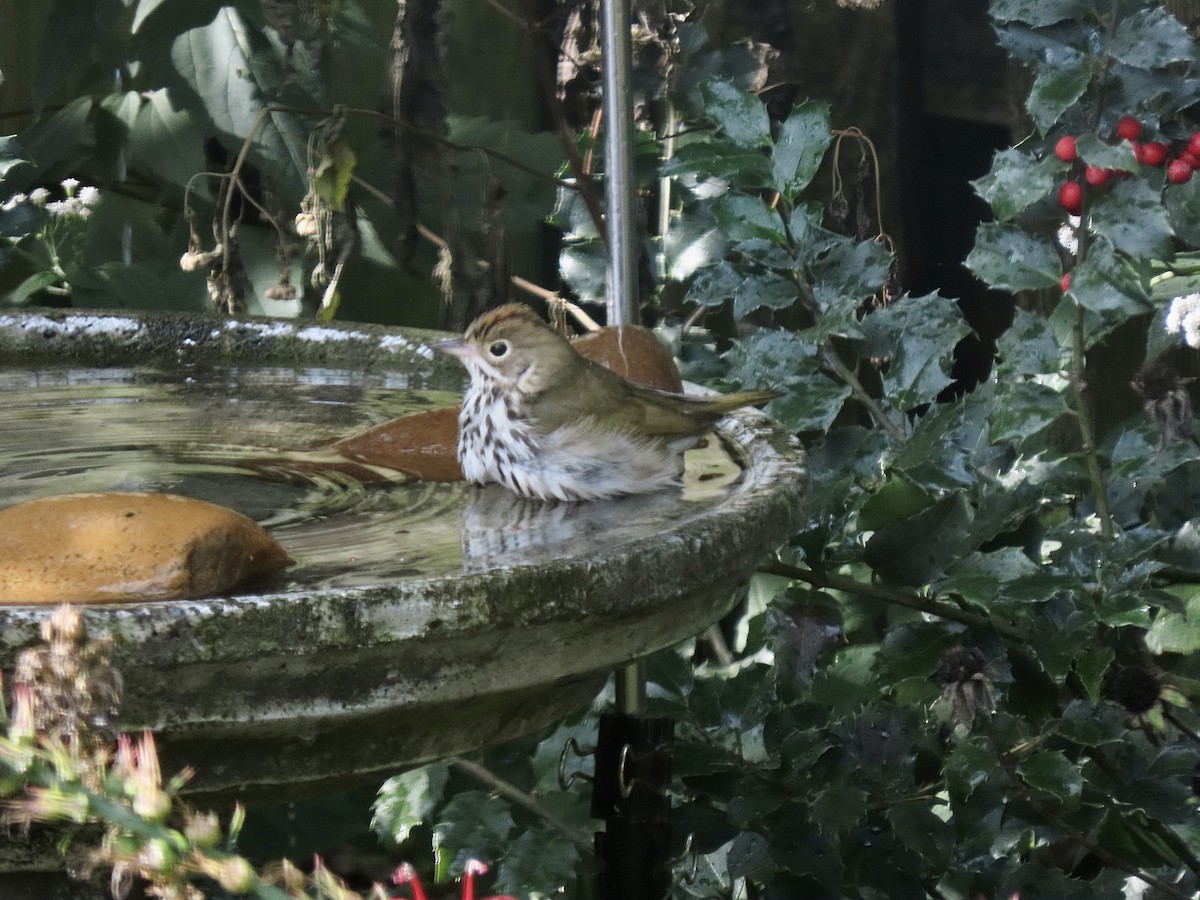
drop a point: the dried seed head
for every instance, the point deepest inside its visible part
(1135, 687)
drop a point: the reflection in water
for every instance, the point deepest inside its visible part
(502, 529)
(205, 434)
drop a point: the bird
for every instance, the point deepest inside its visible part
(546, 423)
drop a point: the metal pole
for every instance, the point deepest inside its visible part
(620, 200)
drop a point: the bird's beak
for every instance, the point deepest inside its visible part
(456, 347)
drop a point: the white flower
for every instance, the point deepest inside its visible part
(89, 195)
(69, 185)
(1067, 239)
(39, 196)
(14, 201)
(1184, 316)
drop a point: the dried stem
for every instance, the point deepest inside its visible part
(577, 837)
(897, 598)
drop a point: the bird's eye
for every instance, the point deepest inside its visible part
(498, 349)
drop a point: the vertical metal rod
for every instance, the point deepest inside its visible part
(620, 200)
(631, 689)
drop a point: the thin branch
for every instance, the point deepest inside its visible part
(897, 598)
(1084, 421)
(833, 361)
(580, 839)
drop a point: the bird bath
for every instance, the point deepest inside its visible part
(420, 620)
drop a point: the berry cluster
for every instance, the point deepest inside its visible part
(1149, 153)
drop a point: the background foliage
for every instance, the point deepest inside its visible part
(971, 672)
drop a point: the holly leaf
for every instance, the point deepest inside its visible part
(738, 114)
(473, 824)
(803, 139)
(918, 335)
(1011, 259)
(744, 217)
(1052, 772)
(1029, 347)
(1107, 285)
(1117, 156)
(1037, 13)
(1056, 89)
(1016, 182)
(1182, 202)
(849, 272)
(1151, 39)
(407, 800)
(768, 289)
(1131, 215)
(538, 861)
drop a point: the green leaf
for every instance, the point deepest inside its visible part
(1091, 666)
(979, 576)
(12, 154)
(710, 167)
(809, 403)
(839, 808)
(1037, 13)
(918, 828)
(918, 549)
(1151, 39)
(1105, 284)
(30, 287)
(407, 800)
(1054, 91)
(849, 272)
(473, 824)
(1029, 347)
(713, 285)
(1050, 771)
(768, 289)
(743, 217)
(803, 139)
(538, 861)
(1117, 156)
(239, 78)
(331, 180)
(1131, 215)
(1182, 202)
(919, 335)
(969, 766)
(899, 498)
(1017, 181)
(1173, 632)
(163, 139)
(1013, 260)
(739, 114)
(750, 857)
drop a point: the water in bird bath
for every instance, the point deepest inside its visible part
(249, 437)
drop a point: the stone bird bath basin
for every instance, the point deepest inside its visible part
(420, 620)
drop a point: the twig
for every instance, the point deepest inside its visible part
(1083, 420)
(577, 837)
(833, 361)
(897, 598)
(552, 297)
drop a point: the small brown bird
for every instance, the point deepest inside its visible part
(544, 422)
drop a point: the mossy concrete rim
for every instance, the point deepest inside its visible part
(310, 687)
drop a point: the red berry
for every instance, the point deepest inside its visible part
(1129, 128)
(1070, 196)
(1153, 153)
(1096, 176)
(1192, 159)
(1178, 171)
(1065, 149)
(1066, 282)
(1194, 144)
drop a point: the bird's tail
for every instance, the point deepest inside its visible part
(725, 403)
